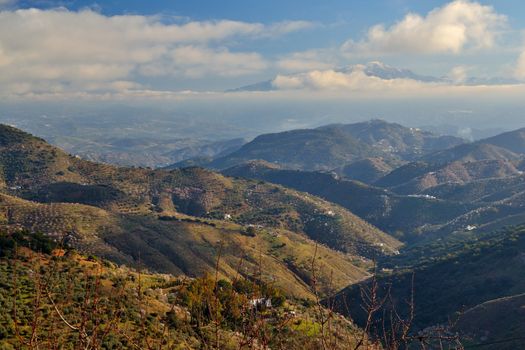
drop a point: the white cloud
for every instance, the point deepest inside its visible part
(308, 60)
(78, 50)
(331, 80)
(520, 67)
(458, 74)
(286, 27)
(376, 77)
(195, 61)
(65, 52)
(452, 28)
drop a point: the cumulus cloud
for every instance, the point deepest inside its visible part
(52, 52)
(85, 49)
(331, 80)
(452, 28)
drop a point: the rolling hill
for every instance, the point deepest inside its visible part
(367, 170)
(475, 271)
(471, 152)
(319, 149)
(483, 175)
(479, 327)
(483, 191)
(175, 219)
(512, 140)
(333, 146)
(486, 159)
(183, 245)
(425, 176)
(395, 139)
(405, 217)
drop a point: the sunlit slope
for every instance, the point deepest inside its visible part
(186, 245)
(36, 171)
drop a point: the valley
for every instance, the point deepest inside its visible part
(262, 175)
(402, 204)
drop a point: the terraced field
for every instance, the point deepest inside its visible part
(185, 245)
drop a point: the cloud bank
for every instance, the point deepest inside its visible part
(60, 50)
(67, 53)
(355, 80)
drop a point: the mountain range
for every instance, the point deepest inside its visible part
(383, 71)
(368, 201)
(469, 286)
(402, 216)
(410, 183)
(333, 146)
(175, 221)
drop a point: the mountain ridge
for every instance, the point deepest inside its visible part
(177, 218)
(399, 215)
(383, 71)
(333, 146)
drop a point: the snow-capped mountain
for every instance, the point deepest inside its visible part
(382, 71)
(372, 69)
(386, 72)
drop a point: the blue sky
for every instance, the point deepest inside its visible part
(332, 23)
(195, 50)
(341, 18)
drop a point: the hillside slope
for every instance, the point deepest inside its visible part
(319, 149)
(173, 220)
(425, 176)
(402, 216)
(392, 138)
(471, 152)
(183, 245)
(512, 140)
(367, 170)
(37, 171)
(479, 325)
(334, 146)
(484, 191)
(54, 298)
(478, 270)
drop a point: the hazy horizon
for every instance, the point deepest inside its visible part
(459, 63)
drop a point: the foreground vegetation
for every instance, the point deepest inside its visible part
(464, 284)
(56, 298)
(59, 299)
(248, 264)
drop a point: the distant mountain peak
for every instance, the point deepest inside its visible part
(333, 146)
(266, 85)
(373, 69)
(382, 71)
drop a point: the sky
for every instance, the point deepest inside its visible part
(184, 52)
